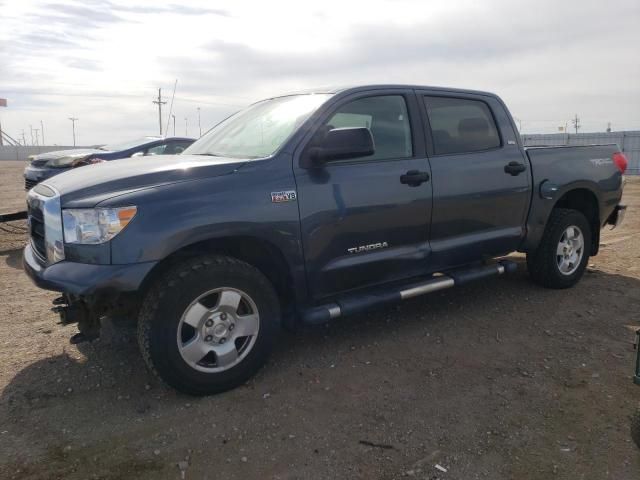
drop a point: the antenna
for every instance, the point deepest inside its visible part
(171, 106)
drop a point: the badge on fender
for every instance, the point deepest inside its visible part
(284, 196)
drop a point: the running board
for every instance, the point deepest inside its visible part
(358, 302)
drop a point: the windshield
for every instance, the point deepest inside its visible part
(259, 130)
(116, 147)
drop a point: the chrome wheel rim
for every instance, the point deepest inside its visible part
(570, 250)
(218, 330)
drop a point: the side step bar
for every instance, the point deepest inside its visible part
(358, 302)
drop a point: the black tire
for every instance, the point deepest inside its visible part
(543, 264)
(635, 427)
(170, 296)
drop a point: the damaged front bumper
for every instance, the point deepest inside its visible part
(89, 291)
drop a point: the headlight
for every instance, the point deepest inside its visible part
(95, 225)
(64, 161)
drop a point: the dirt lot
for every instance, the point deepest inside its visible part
(499, 380)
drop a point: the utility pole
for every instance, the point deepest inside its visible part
(174, 124)
(37, 130)
(576, 122)
(24, 140)
(31, 130)
(199, 125)
(608, 127)
(159, 102)
(42, 130)
(186, 127)
(73, 127)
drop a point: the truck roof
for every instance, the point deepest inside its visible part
(363, 87)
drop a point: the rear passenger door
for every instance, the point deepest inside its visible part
(479, 208)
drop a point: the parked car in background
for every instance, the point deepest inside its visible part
(48, 164)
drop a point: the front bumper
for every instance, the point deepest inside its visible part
(83, 278)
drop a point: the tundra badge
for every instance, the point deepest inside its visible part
(367, 248)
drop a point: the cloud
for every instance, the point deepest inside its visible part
(104, 60)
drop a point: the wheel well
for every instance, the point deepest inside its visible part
(586, 202)
(261, 254)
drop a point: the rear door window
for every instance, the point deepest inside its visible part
(460, 125)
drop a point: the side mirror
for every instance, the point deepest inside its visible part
(138, 154)
(340, 144)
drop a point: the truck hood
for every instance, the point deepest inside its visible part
(94, 183)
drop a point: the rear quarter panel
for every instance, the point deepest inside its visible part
(565, 169)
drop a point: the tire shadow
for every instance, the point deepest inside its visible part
(13, 258)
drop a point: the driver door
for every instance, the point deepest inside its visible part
(361, 225)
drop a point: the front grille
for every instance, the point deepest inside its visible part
(29, 184)
(36, 229)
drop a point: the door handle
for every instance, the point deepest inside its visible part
(514, 168)
(413, 178)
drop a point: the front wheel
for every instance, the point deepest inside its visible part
(561, 258)
(208, 324)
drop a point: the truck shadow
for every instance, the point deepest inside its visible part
(106, 379)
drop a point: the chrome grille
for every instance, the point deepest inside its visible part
(29, 184)
(45, 223)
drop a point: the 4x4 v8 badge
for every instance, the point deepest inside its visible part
(367, 248)
(284, 196)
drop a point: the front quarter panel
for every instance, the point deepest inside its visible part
(171, 217)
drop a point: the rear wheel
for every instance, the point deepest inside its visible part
(562, 256)
(208, 324)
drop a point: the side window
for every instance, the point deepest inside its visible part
(461, 126)
(386, 117)
(157, 150)
(176, 148)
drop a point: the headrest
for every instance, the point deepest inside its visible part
(474, 126)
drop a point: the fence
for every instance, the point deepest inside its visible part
(629, 143)
(10, 152)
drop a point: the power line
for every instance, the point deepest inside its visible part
(159, 102)
(576, 122)
(129, 95)
(73, 126)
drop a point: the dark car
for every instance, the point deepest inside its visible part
(46, 165)
(309, 208)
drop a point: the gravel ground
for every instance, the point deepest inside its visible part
(12, 192)
(499, 380)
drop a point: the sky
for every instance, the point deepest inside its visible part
(103, 61)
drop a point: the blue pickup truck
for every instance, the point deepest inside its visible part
(307, 208)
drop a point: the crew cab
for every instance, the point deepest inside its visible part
(307, 208)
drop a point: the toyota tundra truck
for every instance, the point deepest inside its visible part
(307, 208)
